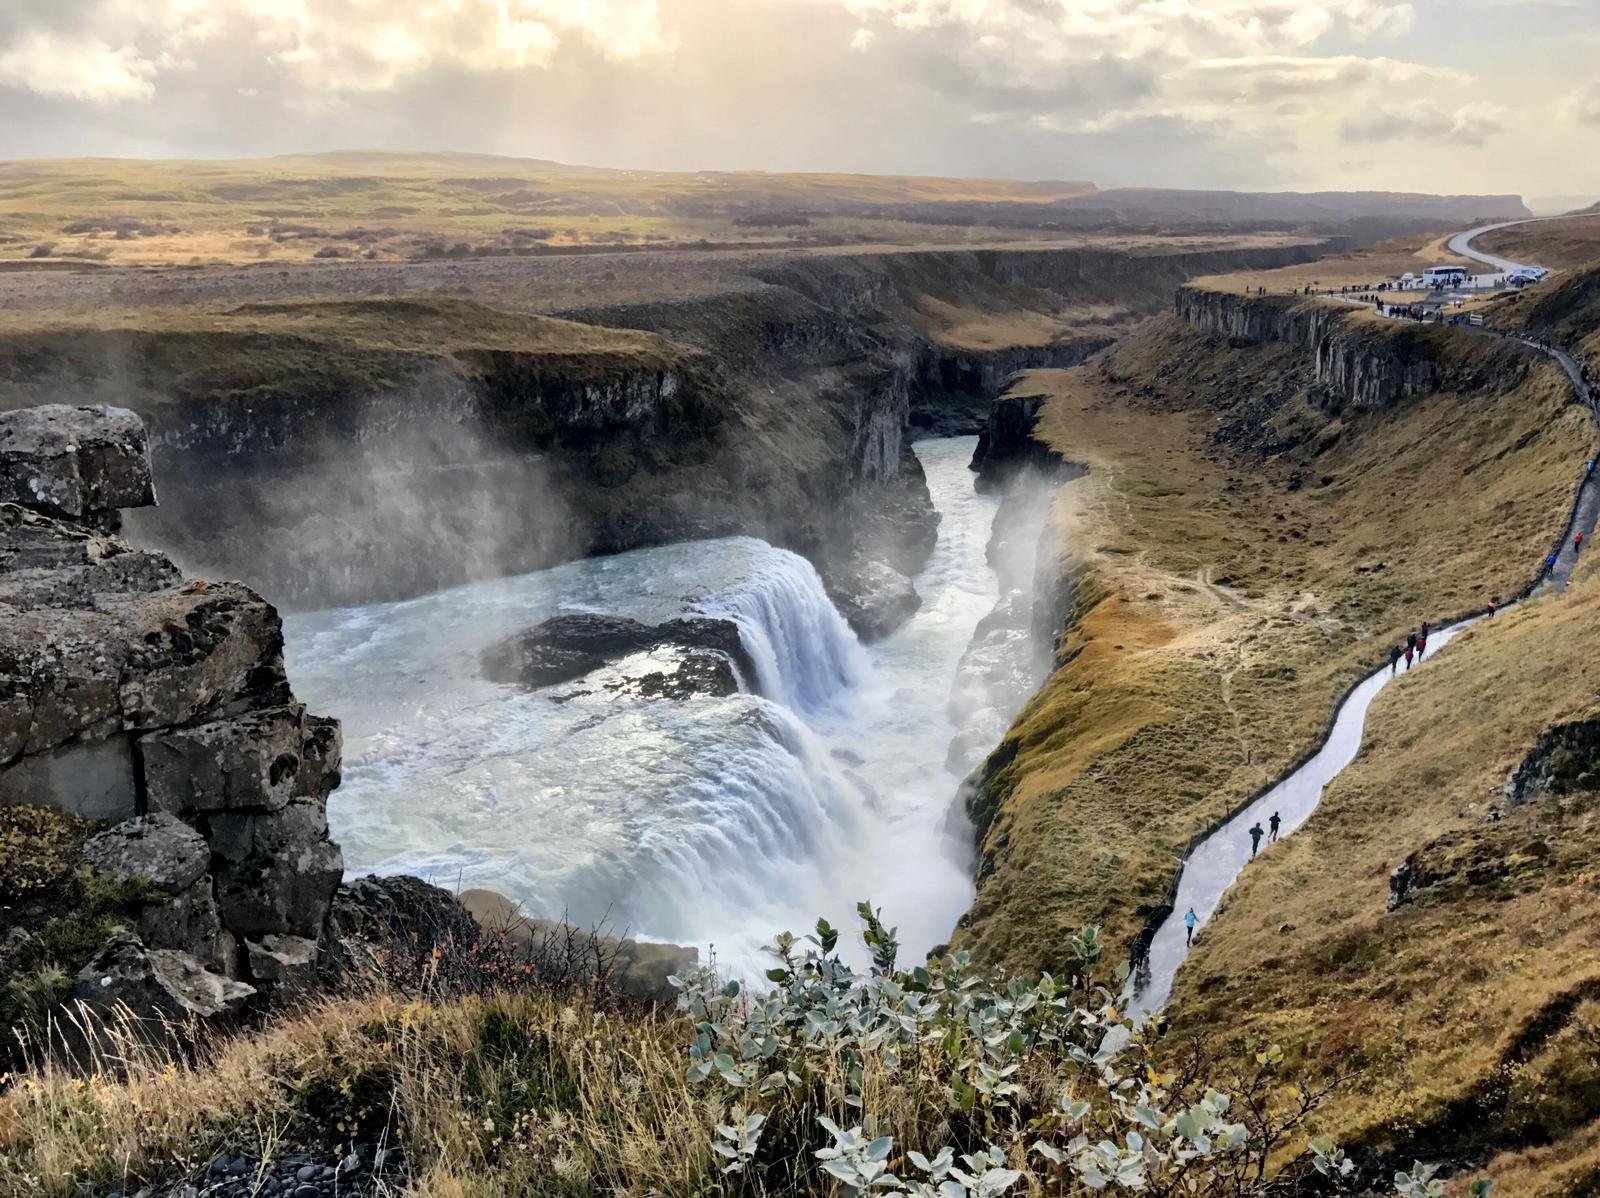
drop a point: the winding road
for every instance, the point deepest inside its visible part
(1217, 860)
(1461, 245)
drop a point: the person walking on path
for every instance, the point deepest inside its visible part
(1273, 824)
(1394, 658)
(1550, 565)
(1189, 920)
(1255, 838)
(1577, 542)
(1494, 604)
(1410, 649)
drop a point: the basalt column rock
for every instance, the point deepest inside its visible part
(157, 706)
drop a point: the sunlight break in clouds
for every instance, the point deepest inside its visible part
(121, 48)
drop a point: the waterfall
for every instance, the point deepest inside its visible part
(804, 653)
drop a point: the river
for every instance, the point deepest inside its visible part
(707, 821)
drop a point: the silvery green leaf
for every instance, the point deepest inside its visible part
(843, 1170)
(1050, 1152)
(880, 1148)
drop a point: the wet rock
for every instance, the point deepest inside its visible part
(688, 673)
(161, 986)
(1564, 759)
(570, 646)
(83, 463)
(872, 596)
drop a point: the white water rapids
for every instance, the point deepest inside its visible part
(709, 821)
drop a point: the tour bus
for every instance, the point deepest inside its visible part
(1444, 276)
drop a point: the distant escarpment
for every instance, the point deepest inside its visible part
(1359, 359)
(346, 450)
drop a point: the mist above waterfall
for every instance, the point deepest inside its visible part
(705, 821)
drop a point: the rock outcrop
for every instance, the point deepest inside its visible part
(1565, 758)
(712, 658)
(1007, 447)
(157, 706)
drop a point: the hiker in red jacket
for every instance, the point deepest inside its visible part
(1577, 542)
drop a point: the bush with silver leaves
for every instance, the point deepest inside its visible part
(1043, 1081)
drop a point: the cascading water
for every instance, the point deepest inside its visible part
(704, 821)
(803, 650)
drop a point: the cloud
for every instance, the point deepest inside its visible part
(1468, 125)
(76, 68)
(1583, 106)
(122, 49)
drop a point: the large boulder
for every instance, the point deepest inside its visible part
(249, 762)
(83, 463)
(569, 646)
(161, 849)
(372, 911)
(163, 988)
(173, 861)
(276, 871)
(872, 596)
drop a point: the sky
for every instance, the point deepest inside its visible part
(1486, 96)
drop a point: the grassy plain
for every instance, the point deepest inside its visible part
(1238, 556)
(1566, 244)
(451, 206)
(1359, 268)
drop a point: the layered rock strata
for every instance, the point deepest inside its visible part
(158, 707)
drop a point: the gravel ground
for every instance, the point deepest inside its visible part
(363, 1171)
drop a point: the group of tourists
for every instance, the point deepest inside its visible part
(1417, 644)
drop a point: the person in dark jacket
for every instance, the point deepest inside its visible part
(1255, 838)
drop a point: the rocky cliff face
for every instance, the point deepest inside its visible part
(156, 706)
(1358, 359)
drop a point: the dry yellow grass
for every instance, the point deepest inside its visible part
(1462, 1015)
(388, 206)
(1360, 268)
(1566, 244)
(1220, 608)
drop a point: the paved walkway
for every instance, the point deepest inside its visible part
(1214, 863)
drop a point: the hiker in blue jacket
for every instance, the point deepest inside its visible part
(1189, 921)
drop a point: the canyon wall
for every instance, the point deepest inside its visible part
(378, 448)
(1358, 358)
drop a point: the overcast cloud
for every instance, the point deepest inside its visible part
(1483, 95)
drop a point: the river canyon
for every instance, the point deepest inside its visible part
(707, 820)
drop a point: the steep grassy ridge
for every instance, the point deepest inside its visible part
(1468, 1017)
(1243, 549)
